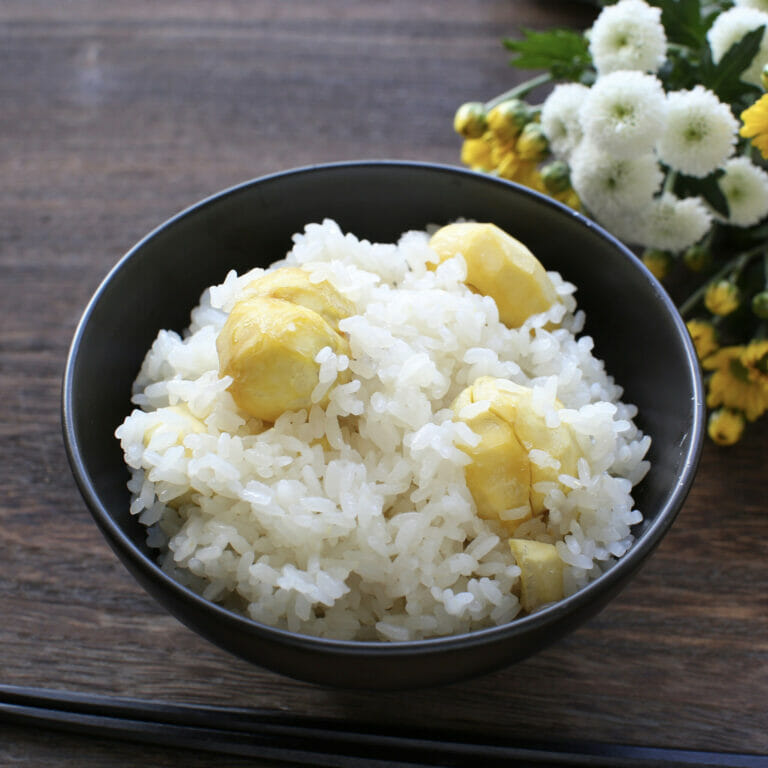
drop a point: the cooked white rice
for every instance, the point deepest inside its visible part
(371, 533)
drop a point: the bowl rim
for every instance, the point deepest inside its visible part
(552, 613)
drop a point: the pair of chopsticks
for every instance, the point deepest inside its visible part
(314, 741)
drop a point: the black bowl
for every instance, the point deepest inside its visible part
(636, 329)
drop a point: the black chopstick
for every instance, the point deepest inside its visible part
(302, 740)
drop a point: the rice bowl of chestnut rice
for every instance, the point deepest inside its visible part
(353, 518)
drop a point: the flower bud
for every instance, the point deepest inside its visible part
(556, 177)
(722, 298)
(760, 305)
(725, 426)
(507, 119)
(764, 78)
(532, 143)
(658, 262)
(697, 258)
(470, 120)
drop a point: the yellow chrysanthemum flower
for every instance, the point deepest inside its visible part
(476, 153)
(725, 426)
(529, 175)
(755, 120)
(500, 150)
(703, 335)
(570, 198)
(513, 168)
(508, 166)
(658, 262)
(735, 383)
(722, 298)
(755, 361)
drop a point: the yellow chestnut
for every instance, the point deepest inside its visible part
(501, 475)
(293, 284)
(541, 572)
(498, 266)
(268, 346)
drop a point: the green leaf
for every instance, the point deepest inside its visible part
(724, 78)
(708, 188)
(563, 52)
(759, 233)
(679, 72)
(683, 22)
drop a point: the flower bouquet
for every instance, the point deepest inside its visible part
(657, 128)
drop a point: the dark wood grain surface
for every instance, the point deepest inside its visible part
(113, 116)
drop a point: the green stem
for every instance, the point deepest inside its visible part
(734, 266)
(521, 90)
(709, 238)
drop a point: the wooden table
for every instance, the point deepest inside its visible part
(116, 115)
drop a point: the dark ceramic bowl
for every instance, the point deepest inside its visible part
(637, 332)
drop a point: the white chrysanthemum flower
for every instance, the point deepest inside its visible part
(699, 134)
(628, 35)
(560, 118)
(729, 28)
(610, 186)
(761, 5)
(672, 224)
(624, 112)
(745, 187)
